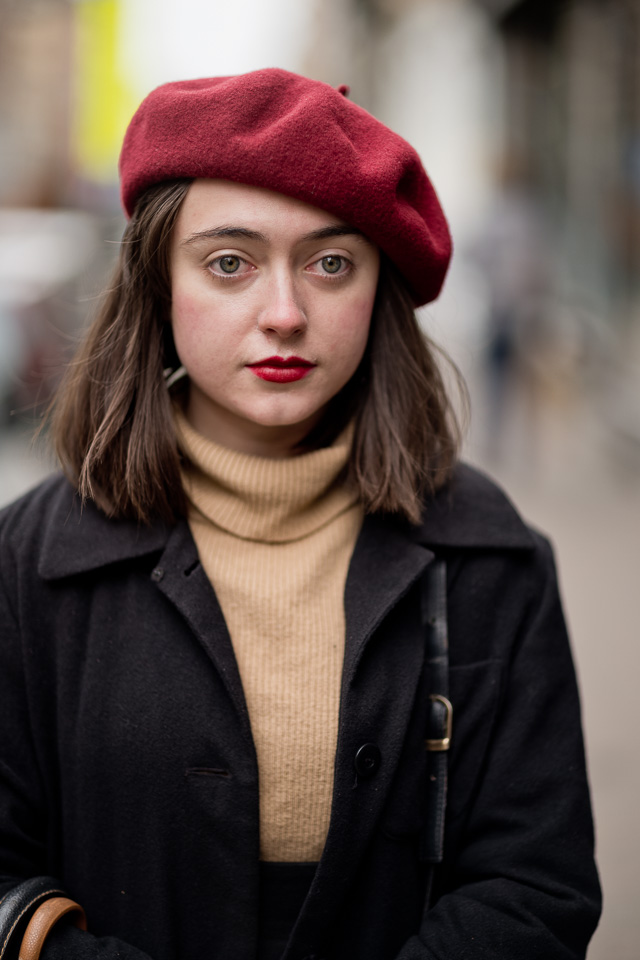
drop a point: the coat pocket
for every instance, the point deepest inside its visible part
(475, 694)
(474, 691)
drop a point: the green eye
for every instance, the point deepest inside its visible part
(229, 264)
(332, 264)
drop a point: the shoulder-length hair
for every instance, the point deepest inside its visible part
(113, 422)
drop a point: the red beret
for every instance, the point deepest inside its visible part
(302, 138)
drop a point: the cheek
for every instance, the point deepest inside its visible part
(198, 328)
(352, 328)
(187, 319)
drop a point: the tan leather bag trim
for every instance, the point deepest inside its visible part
(43, 921)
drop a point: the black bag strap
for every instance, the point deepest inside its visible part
(440, 712)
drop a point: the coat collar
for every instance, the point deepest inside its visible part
(471, 512)
(78, 538)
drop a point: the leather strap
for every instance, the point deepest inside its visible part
(17, 905)
(42, 922)
(438, 739)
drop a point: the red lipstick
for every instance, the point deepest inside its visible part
(281, 369)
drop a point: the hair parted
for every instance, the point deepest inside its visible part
(113, 425)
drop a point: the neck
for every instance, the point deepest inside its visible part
(275, 442)
(263, 498)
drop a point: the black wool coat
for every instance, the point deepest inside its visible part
(128, 771)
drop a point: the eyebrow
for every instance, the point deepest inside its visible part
(333, 230)
(323, 233)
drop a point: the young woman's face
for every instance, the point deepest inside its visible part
(271, 308)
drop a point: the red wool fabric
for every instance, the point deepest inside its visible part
(302, 138)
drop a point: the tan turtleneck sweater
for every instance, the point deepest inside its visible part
(275, 538)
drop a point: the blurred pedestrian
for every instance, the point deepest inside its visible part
(514, 253)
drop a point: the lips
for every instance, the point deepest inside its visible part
(281, 369)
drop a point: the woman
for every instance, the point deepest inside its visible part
(224, 641)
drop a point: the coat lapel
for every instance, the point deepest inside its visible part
(182, 579)
(383, 661)
(386, 562)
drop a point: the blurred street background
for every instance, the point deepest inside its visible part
(527, 117)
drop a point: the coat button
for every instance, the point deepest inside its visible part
(367, 760)
(157, 574)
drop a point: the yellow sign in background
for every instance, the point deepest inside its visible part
(104, 103)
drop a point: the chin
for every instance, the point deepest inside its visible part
(287, 418)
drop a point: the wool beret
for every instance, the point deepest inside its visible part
(300, 137)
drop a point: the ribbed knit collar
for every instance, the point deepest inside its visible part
(264, 499)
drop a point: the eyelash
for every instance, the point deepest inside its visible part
(326, 276)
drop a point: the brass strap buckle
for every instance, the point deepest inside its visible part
(439, 746)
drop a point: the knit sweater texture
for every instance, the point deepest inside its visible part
(275, 538)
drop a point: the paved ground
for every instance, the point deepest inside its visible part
(583, 490)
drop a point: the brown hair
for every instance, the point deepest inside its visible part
(112, 421)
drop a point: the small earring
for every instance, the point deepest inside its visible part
(172, 376)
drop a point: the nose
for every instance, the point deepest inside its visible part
(282, 312)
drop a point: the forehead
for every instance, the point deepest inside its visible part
(210, 203)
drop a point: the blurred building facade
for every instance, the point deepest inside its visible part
(573, 117)
(573, 114)
(36, 57)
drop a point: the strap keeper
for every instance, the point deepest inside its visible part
(441, 744)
